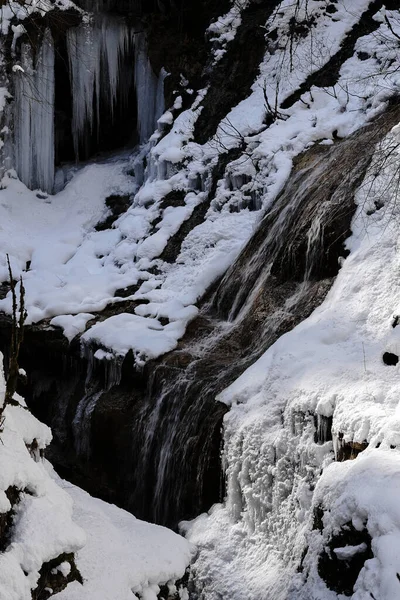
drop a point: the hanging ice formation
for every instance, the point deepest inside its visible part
(97, 52)
(149, 90)
(34, 116)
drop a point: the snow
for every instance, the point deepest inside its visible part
(117, 555)
(365, 490)
(72, 325)
(123, 556)
(146, 337)
(329, 366)
(223, 30)
(86, 268)
(22, 10)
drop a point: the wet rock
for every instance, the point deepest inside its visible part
(348, 450)
(6, 519)
(117, 205)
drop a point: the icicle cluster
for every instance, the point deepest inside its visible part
(34, 116)
(96, 52)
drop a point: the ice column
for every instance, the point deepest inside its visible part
(149, 90)
(34, 116)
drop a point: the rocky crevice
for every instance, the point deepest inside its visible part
(242, 62)
(6, 519)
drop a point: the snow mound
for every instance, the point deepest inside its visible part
(117, 555)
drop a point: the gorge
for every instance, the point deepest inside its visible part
(201, 201)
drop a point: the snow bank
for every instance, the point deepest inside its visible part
(85, 268)
(123, 557)
(364, 492)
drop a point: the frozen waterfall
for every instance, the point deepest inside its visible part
(34, 116)
(149, 90)
(99, 54)
(95, 51)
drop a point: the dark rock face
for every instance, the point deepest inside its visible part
(150, 440)
(349, 450)
(390, 359)
(177, 41)
(343, 558)
(6, 519)
(116, 205)
(52, 580)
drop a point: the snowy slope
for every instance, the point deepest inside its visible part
(123, 557)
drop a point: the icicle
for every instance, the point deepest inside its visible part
(160, 100)
(23, 99)
(43, 120)
(34, 118)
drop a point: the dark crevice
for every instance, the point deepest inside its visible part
(390, 359)
(51, 578)
(348, 450)
(117, 205)
(6, 519)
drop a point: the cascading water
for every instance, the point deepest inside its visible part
(34, 115)
(99, 51)
(273, 286)
(163, 425)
